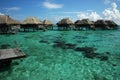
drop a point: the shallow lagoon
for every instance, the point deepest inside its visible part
(52, 55)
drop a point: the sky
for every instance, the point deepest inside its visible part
(55, 10)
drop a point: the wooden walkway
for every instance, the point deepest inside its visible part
(9, 54)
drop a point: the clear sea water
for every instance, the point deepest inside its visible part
(44, 61)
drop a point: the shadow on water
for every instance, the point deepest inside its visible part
(5, 66)
(7, 35)
(5, 46)
(5, 71)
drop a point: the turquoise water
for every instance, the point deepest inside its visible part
(53, 55)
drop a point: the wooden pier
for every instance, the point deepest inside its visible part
(7, 55)
(10, 54)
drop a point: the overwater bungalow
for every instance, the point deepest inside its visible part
(111, 24)
(48, 24)
(8, 25)
(101, 24)
(84, 24)
(31, 23)
(40, 26)
(65, 24)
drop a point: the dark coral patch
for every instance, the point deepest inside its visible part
(88, 52)
(103, 58)
(70, 46)
(59, 44)
(44, 41)
(63, 45)
(85, 49)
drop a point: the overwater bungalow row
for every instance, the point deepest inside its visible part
(105, 24)
(8, 25)
(32, 23)
(66, 24)
(99, 24)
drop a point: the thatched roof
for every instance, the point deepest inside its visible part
(84, 22)
(65, 21)
(7, 20)
(32, 20)
(47, 22)
(76, 22)
(110, 23)
(100, 22)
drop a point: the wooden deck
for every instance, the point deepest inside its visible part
(9, 54)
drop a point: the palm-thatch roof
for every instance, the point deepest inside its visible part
(111, 23)
(4, 19)
(84, 22)
(101, 22)
(47, 22)
(32, 20)
(65, 21)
